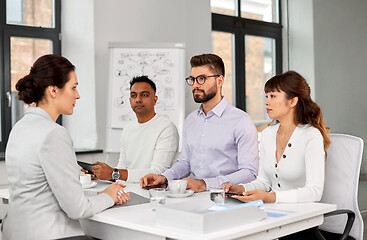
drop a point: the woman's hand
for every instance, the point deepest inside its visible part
(256, 194)
(233, 188)
(117, 193)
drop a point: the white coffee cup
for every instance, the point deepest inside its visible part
(177, 186)
(85, 179)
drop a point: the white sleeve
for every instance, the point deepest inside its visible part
(57, 158)
(122, 160)
(315, 173)
(165, 149)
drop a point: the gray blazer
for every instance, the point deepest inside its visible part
(46, 197)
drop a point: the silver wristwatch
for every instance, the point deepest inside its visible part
(115, 174)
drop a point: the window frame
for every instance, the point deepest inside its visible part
(240, 27)
(12, 30)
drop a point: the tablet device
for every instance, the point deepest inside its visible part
(87, 166)
(135, 199)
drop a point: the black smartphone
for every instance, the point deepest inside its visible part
(232, 194)
(156, 186)
(87, 166)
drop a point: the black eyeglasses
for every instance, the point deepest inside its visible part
(199, 79)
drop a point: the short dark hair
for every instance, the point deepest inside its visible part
(213, 61)
(48, 70)
(145, 79)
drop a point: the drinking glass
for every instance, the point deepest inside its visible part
(157, 197)
(217, 195)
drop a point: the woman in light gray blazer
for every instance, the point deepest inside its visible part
(46, 197)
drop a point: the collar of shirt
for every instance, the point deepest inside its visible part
(217, 110)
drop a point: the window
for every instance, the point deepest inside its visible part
(28, 30)
(247, 34)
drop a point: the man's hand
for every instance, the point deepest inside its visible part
(93, 177)
(233, 188)
(152, 179)
(195, 185)
(102, 171)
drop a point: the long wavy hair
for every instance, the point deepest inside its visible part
(307, 111)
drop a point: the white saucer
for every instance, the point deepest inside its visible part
(188, 193)
(93, 184)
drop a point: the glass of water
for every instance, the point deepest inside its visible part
(217, 195)
(157, 197)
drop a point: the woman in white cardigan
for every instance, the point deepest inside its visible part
(46, 197)
(292, 149)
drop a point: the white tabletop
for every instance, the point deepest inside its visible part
(136, 222)
(141, 219)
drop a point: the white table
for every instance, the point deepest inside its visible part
(138, 222)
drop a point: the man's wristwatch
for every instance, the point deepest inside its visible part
(115, 174)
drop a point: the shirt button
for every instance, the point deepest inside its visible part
(284, 156)
(276, 165)
(278, 184)
(289, 144)
(206, 120)
(276, 175)
(203, 135)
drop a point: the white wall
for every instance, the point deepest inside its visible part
(299, 40)
(77, 41)
(340, 65)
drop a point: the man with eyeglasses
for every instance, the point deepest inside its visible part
(219, 141)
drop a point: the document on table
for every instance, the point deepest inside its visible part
(275, 213)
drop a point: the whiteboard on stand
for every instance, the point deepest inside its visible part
(161, 62)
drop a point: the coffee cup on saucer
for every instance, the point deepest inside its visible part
(85, 179)
(177, 186)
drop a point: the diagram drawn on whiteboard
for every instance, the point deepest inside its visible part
(160, 65)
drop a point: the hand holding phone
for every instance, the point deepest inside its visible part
(228, 195)
(87, 166)
(155, 186)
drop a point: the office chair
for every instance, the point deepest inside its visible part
(343, 164)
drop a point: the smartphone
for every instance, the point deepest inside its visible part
(233, 194)
(156, 186)
(87, 166)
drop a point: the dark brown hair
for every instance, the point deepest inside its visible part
(307, 111)
(213, 61)
(48, 70)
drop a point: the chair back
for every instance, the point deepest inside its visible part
(343, 164)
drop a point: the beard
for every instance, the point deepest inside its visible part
(206, 96)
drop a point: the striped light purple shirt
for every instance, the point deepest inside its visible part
(219, 147)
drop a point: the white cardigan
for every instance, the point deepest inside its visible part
(299, 175)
